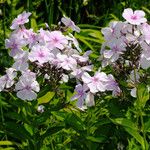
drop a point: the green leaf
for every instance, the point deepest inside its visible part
(6, 143)
(46, 98)
(72, 120)
(137, 136)
(142, 95)
(96, 139)
(125, 123)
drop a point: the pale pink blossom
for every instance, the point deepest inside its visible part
(67, 62)
(89, 100)
(56, 39)
(113, 31)
(83, 58)
(146, 32)
(27, 87)
(21, 63)
(135, 18)
(15, 44)
(112, 85)
(69, 23)
(41, 54)
(78, 72)
(96, 83)
(20, 20)
(80, 95)
(8, 79)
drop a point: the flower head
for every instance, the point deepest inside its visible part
(20, 20)
(26, 87)
(135, 18)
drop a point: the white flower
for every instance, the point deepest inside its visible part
(97, 82)
(26, 87)
(20, 20)
(40, 53)
(135, 18)
(69, 23)
(67, 63)
(8, 79)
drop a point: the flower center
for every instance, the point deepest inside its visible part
(134, 17)
(41, 54)
(28, 87)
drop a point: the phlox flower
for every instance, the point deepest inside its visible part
(144, 62)
(146, 50)
(41, 54)
(78, 72)
(67, 62)
(20, 20)
(8, 79)
(97, 83)
(113, 31)
(112, 85)
(80, 95)
(74, 41)
(69, 23)
(89, 100)
(21, 63)
(26, 87)
(31, 37)
(146, 32)
(15, 44)
(56, 39)
(83, 58)
(135, 18)
(117, 46)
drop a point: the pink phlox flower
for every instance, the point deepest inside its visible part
(117, 47)
(144, 62)
(28, 75)
(8, 79)
(31, 37)
(20, 32)
(69, 23)
(26, 88)
(21, 63)
(113, 31)
(83, 58)
(67, 62)
(78, 72)
(146, 50)
(56, 39)
(74, 41)
(15, 44)
(135, 18)
(42, 34)
(112, 85)
(96, 83)
(20, 20)
(80, 95)
(41, 54)
(89, 100)
(146, 32)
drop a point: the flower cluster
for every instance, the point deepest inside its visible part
(54, 56)
(127, 45)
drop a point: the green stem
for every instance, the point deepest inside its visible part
(142, 128)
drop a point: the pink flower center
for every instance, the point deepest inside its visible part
(14, 46)
(28, 87)
(134, 17)
(55, 40)
(41, 54)
(94, 79)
